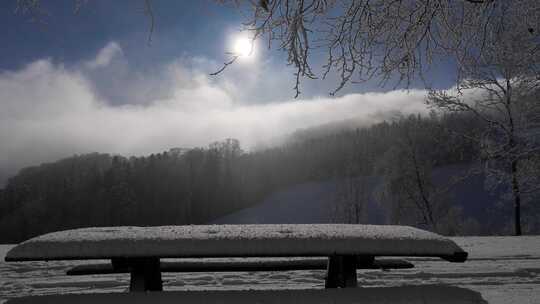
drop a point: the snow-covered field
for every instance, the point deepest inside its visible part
(502, 269)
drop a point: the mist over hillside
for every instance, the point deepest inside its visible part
(411, 170)
(175, 104)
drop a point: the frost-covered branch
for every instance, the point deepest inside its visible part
(500, 84)
(393, 41)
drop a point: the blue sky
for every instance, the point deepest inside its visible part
(89, 82)
(182, 27)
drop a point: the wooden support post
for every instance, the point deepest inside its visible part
(341, 271)
(365, 261)
(145, 273)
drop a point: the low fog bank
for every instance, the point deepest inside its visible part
(50, 111)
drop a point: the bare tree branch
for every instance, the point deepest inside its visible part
(148, 11)
(394, 41)
(225, 65)
(501, 85)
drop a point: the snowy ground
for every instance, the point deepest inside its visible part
(502, 269)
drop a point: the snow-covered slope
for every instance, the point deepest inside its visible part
(315, 202)
(312, 202)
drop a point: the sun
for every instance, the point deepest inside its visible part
(243, 47)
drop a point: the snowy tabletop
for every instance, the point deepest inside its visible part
(234, 241)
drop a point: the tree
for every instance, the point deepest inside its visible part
(406, 168)
(351, 200)
(494, 43)
(388, 40)
(500, 85)
(384, 39)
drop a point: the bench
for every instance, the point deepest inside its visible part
(138, 250)
(237, 265)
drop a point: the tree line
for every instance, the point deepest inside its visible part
(194, 186)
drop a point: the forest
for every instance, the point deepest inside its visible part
(196, 185)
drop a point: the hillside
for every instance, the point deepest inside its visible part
(400, 172)
(315, 202)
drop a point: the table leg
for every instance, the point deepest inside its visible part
(145, 273)
(341, 271)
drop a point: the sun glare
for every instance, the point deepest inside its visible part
(243, 47)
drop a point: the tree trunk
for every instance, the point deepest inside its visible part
(421, 189)
(517, 199)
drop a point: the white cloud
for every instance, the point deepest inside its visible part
(49, 112)
(105, 56)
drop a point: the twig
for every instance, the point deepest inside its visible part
(150, 14)
(225, 65)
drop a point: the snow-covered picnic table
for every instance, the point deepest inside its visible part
(139, 249)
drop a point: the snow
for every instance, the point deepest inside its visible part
(500, 247)
(4, 249)
(234, 241)
(394, 295)
(315, 202)
(504, 270)
(311, 202)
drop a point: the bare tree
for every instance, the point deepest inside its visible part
(388, 40)
(351, 200)
(384, 39)
(500, 85)
(406, 168)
